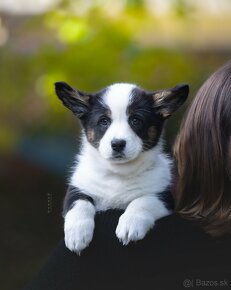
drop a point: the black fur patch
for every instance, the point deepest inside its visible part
(74, 100)
(94, 130)
(167, 198)
(73, 194)
(151, 123)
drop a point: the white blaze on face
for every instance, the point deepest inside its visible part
(117, 98)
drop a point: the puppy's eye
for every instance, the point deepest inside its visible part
(135, 121)
(104, 122)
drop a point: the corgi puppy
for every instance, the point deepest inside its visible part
(121, 164)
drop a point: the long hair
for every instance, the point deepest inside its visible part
(203, 156)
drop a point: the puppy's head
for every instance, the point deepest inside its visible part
(122, 120)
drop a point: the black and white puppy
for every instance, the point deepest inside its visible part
(121, 164)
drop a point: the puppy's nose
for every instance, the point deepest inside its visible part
(118, 145)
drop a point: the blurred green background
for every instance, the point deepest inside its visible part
(89, 44)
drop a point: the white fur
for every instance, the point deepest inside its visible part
(132, 185)
(139, 218)
(79, 226)
(117, 99)
(116, 185)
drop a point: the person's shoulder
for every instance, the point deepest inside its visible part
(178, 224)
(189, 233)
(180, 227)
(165, 231)
(106, 223)
(169, 231)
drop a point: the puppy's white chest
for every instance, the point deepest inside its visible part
(110, 190)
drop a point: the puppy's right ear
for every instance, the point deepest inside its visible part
(76, 101)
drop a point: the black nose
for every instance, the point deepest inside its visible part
(118, 144)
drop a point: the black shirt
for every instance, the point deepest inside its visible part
(175, 254)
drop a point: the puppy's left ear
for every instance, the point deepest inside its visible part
(169, 100)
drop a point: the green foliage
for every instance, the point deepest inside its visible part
(89, 51)
(182, 8)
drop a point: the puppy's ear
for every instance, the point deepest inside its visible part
(76, 101)
(168, 101)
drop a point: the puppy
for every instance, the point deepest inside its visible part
(121, 163)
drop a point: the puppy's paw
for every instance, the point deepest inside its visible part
(79, 234)
(133, 227)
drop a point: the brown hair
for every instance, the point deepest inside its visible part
(203, 155)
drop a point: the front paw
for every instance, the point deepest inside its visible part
(79, 234)
(133, 227)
